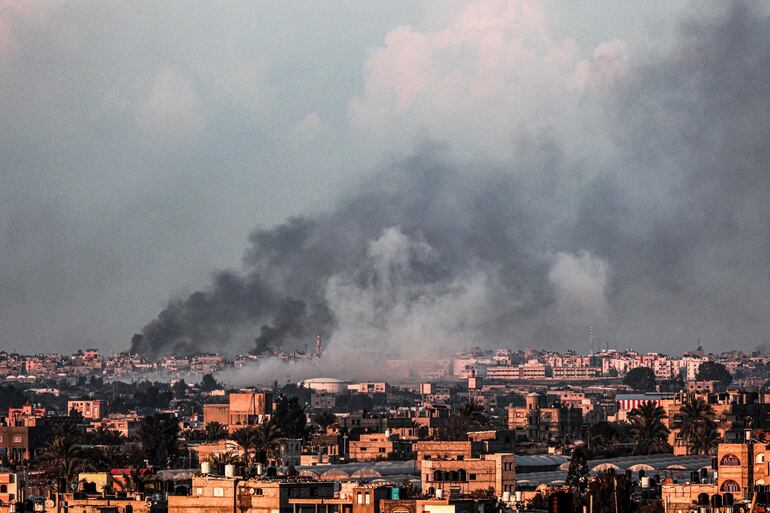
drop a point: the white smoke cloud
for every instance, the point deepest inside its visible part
(491, 70)
(172, 107)
(580, 282)
(389, 310)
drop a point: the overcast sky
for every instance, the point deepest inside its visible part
(142, 142)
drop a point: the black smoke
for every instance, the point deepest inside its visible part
(680, 215)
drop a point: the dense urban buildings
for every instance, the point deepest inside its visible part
(123, 432)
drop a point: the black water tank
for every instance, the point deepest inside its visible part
(560, 502)
(716, 501)
(727, 499)
(703, 499)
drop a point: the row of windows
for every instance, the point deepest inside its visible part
(451, 475)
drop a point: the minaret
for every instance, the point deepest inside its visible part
(318, 350)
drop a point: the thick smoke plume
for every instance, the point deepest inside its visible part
(665, 241)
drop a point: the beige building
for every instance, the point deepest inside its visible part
(242, 409)
(537, 421)
(228, 495)
(99, 504)
(378, 446)
(462, 477)
(90, 409)
(11, 488)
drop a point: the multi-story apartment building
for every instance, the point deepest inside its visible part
(539, 421)
(242, 409)
(89, 409)
(379, 446)
(495, 472)
(211, 494)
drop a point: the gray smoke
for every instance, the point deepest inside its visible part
(665, 242)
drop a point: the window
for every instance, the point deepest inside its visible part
(366, 497)
(199, 491)
(3, 489)
(730, 460)
(472, 477)
(382, 449)
(730, 486)
(219, 492)
(760, 458)
(360, 498)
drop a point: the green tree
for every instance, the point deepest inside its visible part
(180, 389)
(208, 383)
(137, 480)
(698, 428)
(708, 371)
(289, 417)
(62, 461)
(215, 431)
(650, 434)
(159, 435)
(641, 379)
(577, 474)
(611, 494)
(245, 437)
(474, 412)
(266, 443)
(602, 438)
(324, 419)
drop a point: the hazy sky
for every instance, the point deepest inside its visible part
(142, 142)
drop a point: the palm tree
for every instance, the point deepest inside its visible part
(260, 444)
(159, 435)
(474, 412)
(245, 438)
(224, 458)
(602, 437)
(62, 460)
(698, 428)
(471, 417)
(220, 459)
(137, 480)
(707, 438)
(216, 431)
(266, 442)
(111, 457)
(106, 436)
(648, 429)
(325, 419)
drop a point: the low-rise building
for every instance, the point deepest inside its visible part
(379, 446)
(211, 494)
(539, 421)
(494, 472)
(89, 409)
